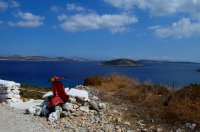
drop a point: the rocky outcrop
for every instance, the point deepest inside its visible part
(88, 115)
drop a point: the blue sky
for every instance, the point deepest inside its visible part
(101, 29)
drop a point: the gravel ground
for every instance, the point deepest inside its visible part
(14, 120)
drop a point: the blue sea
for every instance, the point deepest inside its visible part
(38, 72)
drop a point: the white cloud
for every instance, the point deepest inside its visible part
(3, 5)
(75, 7)
(9, 4)
(181, 29)
(27, 20)
(14, 4)
(92, 21)
(62, 17)
(55, 8)
(161, 7)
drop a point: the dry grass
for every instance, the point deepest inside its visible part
(115, 82)
(32, 92)
(149, 101)
(184, 105)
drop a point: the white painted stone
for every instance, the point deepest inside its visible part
(68, 106)
(79, 94)
(54, 116)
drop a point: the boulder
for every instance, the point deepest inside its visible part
(79, 94)
(54, 116)
(68, 106)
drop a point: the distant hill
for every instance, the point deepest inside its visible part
(40, 58)
(198, 70)
(164, 61)
(121, 62)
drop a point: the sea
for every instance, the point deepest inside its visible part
(37, 73)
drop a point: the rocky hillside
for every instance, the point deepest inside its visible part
(121, 62)
(41, 58)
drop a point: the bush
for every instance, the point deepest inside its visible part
(93, 81)
(184, 105)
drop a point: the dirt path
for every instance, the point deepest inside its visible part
(13, 120)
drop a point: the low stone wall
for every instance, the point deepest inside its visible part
(9, 91)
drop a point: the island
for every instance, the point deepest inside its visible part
(121, 62)
(41, 58)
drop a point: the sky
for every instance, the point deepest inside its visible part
(101, 29)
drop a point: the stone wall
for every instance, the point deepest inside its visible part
(9, 91)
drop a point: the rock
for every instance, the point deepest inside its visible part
(30, 110)
(54, 116)
(118, 129)
(72, 100)
(144, 130)
(15, 91)
(96, 119)
(107, 127)
(87, 104)
(85, 109)
(14, 100)
(152, 128)
(159, 130)
(63, 114)
(95, 98)
(38, 111)
(102, 105)
(190, 126)
(68, 106)
(94, 105)
(118, 120)
(141, 124)
(76, 106)
(178, 130)
(127, 123)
